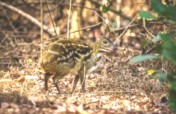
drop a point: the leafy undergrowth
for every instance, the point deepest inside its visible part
(114, 87)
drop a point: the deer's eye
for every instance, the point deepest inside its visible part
(105, 42)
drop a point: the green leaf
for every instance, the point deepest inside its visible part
(141, 58)
(162, 36)
(119, 12)
(108, 28)
(165, 36)
(172, 85)
(161, 76)
(105, 9)
(146, 15)
(172, 99)
(156, 38)
(145, 43)
(163, 10)
(171, 12)
(105, 6)
(172, 90)
(172, 78)
(169, 45)
(169, 55)
(159, 49)
(158, 7)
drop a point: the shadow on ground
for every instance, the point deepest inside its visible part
(15, 103)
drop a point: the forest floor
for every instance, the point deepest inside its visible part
(114, 87)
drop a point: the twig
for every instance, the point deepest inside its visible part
(128, 26)
(27, 16)
(87, 27)
(54, 26)
(63, 35)
(28, 4)
(113, 10)
(117, 39)
(95, 11)
(41, 29)
(68, 22)
(123, 28)
(10, 22)
(144, 24)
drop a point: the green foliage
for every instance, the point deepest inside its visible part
(146, 15)
(162, 36)
(163, 10)
(172, 99)
(159, 7)
(161, 76)
(108, 29)
(167, 50)
(141, 58)
(145, 43)
(172, 91)
(172, 80)
(168, 47)
(106, 6)
(165, 46)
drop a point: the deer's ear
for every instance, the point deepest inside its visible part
(97, 35)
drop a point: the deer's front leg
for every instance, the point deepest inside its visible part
(75, 82)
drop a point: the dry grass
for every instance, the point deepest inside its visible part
(115, 84)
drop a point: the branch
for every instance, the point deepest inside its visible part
(27, 16)
(85, 28)
(96, 9)
(114, 11)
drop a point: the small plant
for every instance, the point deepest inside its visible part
(165, 47)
